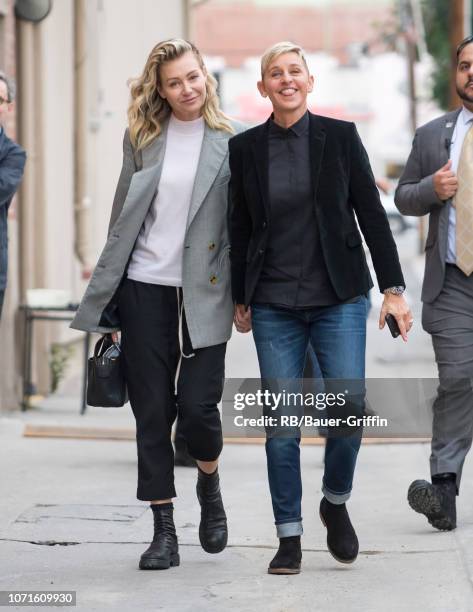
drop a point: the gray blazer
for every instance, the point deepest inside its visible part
(415, 195)
(206, 264)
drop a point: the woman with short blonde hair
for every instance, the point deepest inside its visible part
(299, 183)
(279, 49)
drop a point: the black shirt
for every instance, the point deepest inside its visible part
(294, 273)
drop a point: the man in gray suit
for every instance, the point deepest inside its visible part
(438, 181)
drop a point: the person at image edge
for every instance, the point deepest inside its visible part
(438, 181)
(12, 165)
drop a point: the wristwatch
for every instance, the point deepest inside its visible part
(397, 290)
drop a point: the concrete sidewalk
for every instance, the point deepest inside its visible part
(70, 521)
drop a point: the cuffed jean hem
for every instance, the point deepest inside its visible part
(335, 498)
(287, 530)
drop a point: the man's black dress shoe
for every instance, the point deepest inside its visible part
(213, 532)
(163, 550)
(288, 558)
(436, 500)
(342, 542)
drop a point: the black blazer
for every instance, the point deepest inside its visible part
(343, 186)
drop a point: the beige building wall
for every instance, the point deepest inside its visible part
(119, 35)
(57, 44)
(126, 38)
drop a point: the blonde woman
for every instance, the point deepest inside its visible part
(163, 279)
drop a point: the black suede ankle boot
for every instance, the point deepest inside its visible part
(288, 558)
(342, 541)
(213, 533)
(163, 550)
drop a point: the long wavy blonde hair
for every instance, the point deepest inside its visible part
(147, 110)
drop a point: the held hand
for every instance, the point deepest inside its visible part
(445, 182)
(242, 318)
(115, 337)
(398, 307)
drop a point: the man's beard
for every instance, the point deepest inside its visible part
(464, 95)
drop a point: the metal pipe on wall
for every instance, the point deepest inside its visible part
(82, 200)
(33, 210)
(27, 118)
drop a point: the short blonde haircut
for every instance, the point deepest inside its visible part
(279, 49)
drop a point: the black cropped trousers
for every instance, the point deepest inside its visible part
(150, 323)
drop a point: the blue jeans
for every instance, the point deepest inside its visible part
(337, 335)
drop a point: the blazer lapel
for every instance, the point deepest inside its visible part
(213, 152)
(317, 146)
(260, 149)
(446, 135)
(144, 184)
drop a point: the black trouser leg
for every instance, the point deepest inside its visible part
(150, 343)
(199, 390)
(149, 325)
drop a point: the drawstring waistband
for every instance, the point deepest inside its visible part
(180, 314)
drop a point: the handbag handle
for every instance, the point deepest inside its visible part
(102, 345)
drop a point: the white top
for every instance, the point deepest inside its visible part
(157, 256)
(462, 126)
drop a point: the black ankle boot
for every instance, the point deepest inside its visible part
(288, 558)
(163, 550)
(213, 533)
(342, 542)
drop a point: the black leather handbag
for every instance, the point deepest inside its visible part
(106, 385)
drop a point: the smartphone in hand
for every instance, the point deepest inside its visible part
(393, 326)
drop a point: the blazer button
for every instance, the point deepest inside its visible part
(261, 252)
(213, 280)
(264, 225)
(211, 246)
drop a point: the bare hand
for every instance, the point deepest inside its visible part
(445, 182)
(115, 337)
(242, 318)
(384, 185)
(398, 307)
